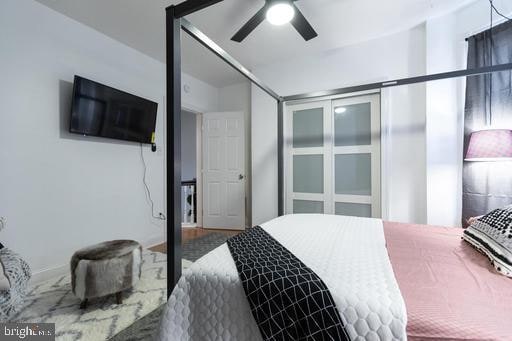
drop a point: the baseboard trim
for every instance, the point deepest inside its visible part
(49, 273)
(154, 241)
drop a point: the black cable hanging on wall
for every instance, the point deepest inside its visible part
(497, 11)
(160, 215)
(489, 113)
(488, 116)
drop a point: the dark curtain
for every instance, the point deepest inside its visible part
(487, 185)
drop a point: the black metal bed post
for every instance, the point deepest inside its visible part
(173, 21)
(173, 150)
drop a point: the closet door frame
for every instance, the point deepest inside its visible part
(325, 151)
(329, 198)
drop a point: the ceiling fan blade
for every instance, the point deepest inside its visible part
(302, 25)
(250, 25)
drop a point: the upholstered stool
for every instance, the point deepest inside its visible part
(104, 269)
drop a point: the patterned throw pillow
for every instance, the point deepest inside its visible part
(492, 235)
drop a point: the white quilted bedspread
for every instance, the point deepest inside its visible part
(348, 253)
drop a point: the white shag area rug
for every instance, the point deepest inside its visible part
(53, 302)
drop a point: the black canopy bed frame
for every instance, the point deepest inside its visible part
(175, 22)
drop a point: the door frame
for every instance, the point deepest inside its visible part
(243, 170)
(199, 166)
(199, 169)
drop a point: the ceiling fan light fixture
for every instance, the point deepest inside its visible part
(280, 13)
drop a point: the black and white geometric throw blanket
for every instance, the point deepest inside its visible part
(287, 299)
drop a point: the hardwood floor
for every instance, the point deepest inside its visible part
(196, 232)
(192, 233)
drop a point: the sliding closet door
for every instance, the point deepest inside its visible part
(332, 157)
(356, 156)
(308, 158)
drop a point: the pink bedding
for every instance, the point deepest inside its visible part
(451, 291)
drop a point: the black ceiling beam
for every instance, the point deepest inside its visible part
(191, 6)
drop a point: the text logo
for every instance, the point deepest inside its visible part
(27, 331)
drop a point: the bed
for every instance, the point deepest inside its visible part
(390, 281)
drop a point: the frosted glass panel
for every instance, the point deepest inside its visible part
(353, 174)
(308, 128)
(306, 206)
(308, 173)
(352, 125)
(356, 210)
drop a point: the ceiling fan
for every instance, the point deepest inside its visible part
(278, 12)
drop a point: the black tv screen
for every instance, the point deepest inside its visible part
(99, 110)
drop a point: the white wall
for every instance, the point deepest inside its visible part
(403, 154)
(198, 96)
(60, 192)
(475, 18)
(237, 97)
(373, 61)
(264, 156)
(396, 56)
(445, 115)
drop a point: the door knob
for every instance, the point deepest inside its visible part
(240, 177)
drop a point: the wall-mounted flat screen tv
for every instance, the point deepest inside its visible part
(99, 110)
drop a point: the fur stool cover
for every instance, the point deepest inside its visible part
(18, 273)
(106, 268)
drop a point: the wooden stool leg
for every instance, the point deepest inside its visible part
(119, 297)
(83, 304)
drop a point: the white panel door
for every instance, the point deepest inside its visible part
(223, 170)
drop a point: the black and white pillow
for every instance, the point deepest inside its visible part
(492, 235)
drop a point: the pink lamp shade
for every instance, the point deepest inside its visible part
(490, 145)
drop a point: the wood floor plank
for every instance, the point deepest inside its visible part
(192, 233)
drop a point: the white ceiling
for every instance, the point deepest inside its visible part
(141, 25)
